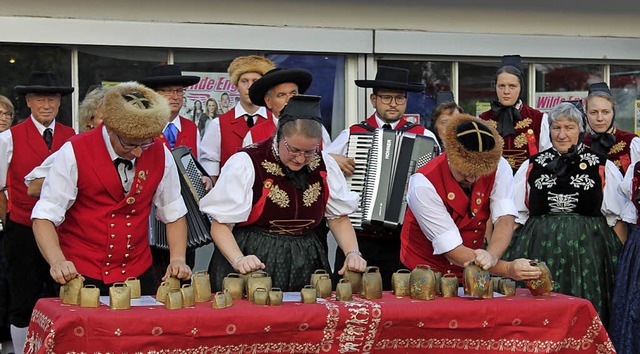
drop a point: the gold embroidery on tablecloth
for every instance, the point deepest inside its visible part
(311, 194)
(524, 123)
(618, 147)
(279, 197)
(520, 140)
(272, 168)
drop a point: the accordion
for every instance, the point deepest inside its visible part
(190, 173)
(385, 159)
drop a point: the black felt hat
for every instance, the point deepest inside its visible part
(391, 79)
(512, 60)
(43, 82)
(277, 76)
(599, 86)
(168, 75)
(301, 107)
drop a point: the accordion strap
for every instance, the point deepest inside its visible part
(366, 126)
(406, 127)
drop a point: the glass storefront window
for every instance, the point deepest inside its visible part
(560, 82)
(107, 65)
(436, 75)
(625, 87)
(477, 86)
(17, 62)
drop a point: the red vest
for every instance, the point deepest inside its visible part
(416, 248)
(105, 233)
(358, 128)
(516, 147)
(232, 132)
(263, 131)
(29, 151)
(187, 136)
(620, 152)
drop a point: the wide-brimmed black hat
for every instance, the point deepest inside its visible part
(277, 76)
(168, 75)
(43, 82)
(599, 86)
(392, 79)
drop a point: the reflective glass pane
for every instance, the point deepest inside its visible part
(435, 75)
(17, 62)
(625, 87)
(560, 82)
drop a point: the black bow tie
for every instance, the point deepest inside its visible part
(602, 142)
(386, 126)
(506, 116)
(127, 163)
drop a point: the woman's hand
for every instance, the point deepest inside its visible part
(521, 269)
(353, 262)
(177, 268)
(247, 264)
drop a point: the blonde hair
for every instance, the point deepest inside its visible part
(89, 107)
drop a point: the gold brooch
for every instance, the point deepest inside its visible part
(451, 196)
(131, 200)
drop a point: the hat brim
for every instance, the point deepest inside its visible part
(62, 90)
(390, 85)
(171, 80)
(259, 89)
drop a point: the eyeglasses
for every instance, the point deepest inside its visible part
(6, 114)
(386, 99)
(170, 92)
(130, 147)
(298, 153)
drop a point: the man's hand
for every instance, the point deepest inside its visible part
(63, 271)
(347, 165)
(521, 269)
(484, 259)
(179, 269)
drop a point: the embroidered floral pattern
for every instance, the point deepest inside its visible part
(543, 181)
(524, 123)
(618, 147)
(582, 181)
(520, 140)
(590, 158)
(544, 158)
(315, 162)
(563, 203)
(311, 194)
(272, 168)
(279, 197)
(492, 123)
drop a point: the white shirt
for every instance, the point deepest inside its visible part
(625, 189)
(612, 202)
(326, 138)
(6, 148)
(340, 144)
(231, 199)
(634, 150)
(209, 153)
(436, 222)
(59, 190)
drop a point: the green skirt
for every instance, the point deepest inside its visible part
(580, 251)
(289, 259)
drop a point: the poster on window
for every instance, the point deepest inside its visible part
(637, 116)
(544, 101)
(209, 98)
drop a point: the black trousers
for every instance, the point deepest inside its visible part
(27, 272)
(148, 285)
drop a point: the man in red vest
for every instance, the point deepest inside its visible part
(389, 99)
(25, 146)
(451, 199)
(223, 137)
(92, 218)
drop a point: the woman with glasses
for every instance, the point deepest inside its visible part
(271, 198)
(6, 113)
(522, 127)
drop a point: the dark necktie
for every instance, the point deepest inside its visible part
(250, 120)
(128, 164)
(47, 135)
(171, 134)
(386, 126)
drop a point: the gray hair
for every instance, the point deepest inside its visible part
(88, 107)
(566, 110)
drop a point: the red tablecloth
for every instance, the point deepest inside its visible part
(521, 324)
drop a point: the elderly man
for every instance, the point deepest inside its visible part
(389, 99)
(224, 135)
(33, 141)
(92, 218)
(451, 199)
